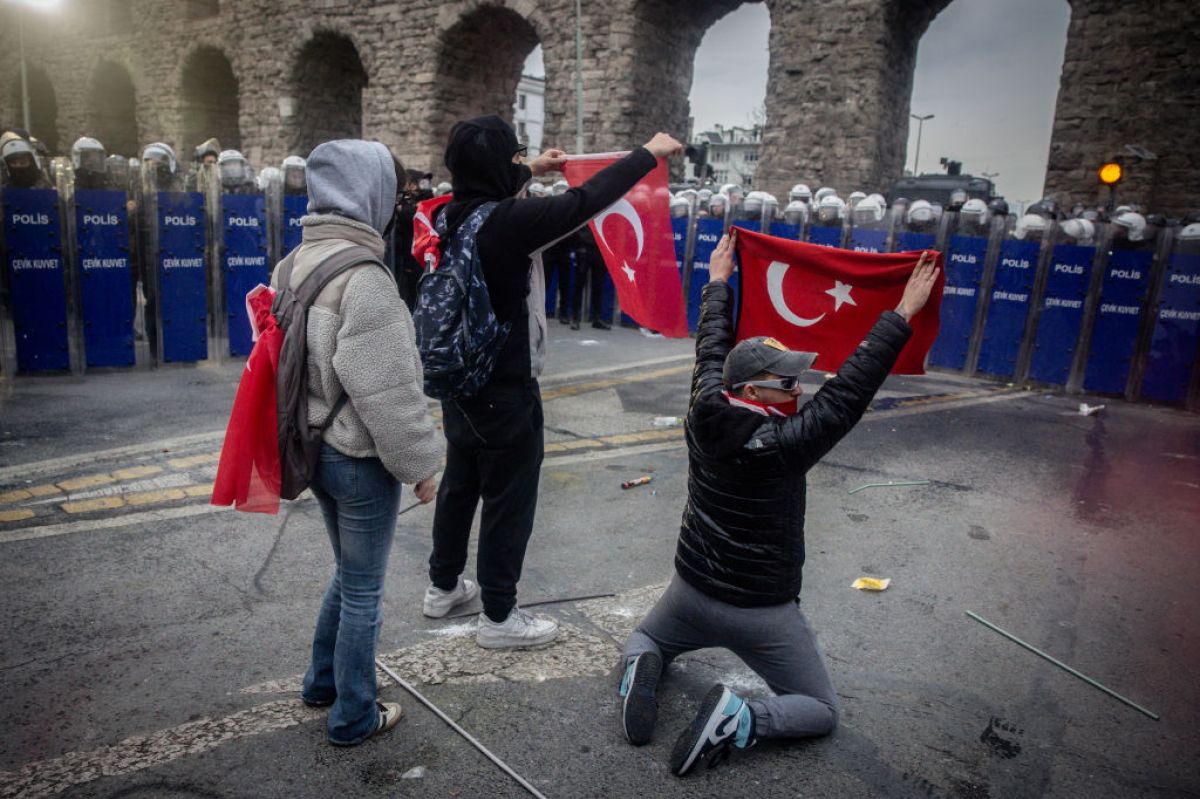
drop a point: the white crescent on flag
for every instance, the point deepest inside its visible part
(775, 274)
(623, 207)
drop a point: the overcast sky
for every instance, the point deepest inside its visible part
(987, 70)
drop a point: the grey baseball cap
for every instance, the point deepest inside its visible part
(764, 354)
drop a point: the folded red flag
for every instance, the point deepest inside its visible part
(825, 300)
(248, 474)
(634, 236)
(426, 246)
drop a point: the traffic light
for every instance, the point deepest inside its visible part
(1110, 173)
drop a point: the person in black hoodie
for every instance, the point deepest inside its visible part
(494, 440)
(741, 543)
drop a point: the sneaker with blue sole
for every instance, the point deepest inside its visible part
(639, 708)
(724, 721)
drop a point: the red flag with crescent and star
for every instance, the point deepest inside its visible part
(634, 236)
(825, 300)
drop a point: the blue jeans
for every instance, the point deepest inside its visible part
(359, 499)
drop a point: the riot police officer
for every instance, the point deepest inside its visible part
(590, 269)
(998, 207)
(751, 208)
(236, 175)
(958, 198)
(679, 207)
(160, 167)
(443, 188)
(116, 171)
(854, 199)
(799, 193)
(868, 212)
(536, 189)
(1079, 231)
(87, 159)
(702, 198)
(557, 262)
(295, 181)
(796, 213)
(973, 218)
(22, 168)
(921, 217)
(1130, 231)
(822, 193)
(718, 205)
(830, 211)
(1030, 227)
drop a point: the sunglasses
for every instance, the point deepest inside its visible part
(783, 383)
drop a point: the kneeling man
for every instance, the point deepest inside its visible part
(741, 544)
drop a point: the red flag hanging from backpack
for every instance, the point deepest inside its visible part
(248, 474)
(825, 300)
(634, 236)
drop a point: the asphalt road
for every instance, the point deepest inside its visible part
(153, 644)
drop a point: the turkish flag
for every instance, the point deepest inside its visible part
(634, 236)
(825, 300)
(426, 246)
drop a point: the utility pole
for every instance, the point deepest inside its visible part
(917, 155)
(578, 77)
(24, 76)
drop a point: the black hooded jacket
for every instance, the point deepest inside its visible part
(479, 157)
(742, 535)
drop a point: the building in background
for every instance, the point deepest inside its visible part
(529, 112)
(732, 154)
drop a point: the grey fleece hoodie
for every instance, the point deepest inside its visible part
(360, 334)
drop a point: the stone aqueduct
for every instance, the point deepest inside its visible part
(273, 77)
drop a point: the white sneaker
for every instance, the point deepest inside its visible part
(519, 629)
(438, 602)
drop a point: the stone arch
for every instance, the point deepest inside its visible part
(43, 106)
(209, 101)
(112, 109)
(479, 61)
(327, 86)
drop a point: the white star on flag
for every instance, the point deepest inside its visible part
(841, 294)
(629, 273)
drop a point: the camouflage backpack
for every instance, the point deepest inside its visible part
(458, 335)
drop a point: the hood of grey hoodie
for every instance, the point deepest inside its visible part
(352, 178)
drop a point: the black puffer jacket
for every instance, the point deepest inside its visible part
(742, 538)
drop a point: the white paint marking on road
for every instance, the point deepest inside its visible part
(177, 480)
(10, 474)
(947, 405)
(565, 377)
(132, 520)
(50, 777)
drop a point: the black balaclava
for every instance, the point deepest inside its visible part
(479, 157)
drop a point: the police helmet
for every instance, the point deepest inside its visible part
(679, 207)
(87, 154)
(1081, 230)
(294, 174)
(270, 176)
(974, 212)
(536, 189)
(442, 188)
(718, 204)
(998, 207)
(233, 167)
(705, 195)
(958, 198)
(752, 205)
(831, 209)
(14, 145)
(855, 198)
(559, 187)
(920, 212)
(117, 169)
(691, 195)
(824, 192)
(1029, 223)
(732, 190)
(800, 192)
(1133, 223)
(1190, 232)
(796, 212)
(161, 154)
(868, 211)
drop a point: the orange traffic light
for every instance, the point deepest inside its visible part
(1110, 173)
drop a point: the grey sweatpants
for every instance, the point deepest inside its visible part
(775, 641)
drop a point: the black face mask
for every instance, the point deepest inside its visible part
(162, 176)
(24, 177)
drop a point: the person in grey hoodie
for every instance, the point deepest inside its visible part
(361, 343)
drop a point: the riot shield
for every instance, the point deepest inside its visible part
(792, 222)
(105, 270)
(35, 272)
(175, 227)
(708, 234)
(869, 231)
(244, 262)
(1172, 371)
(826, 228)
(966, 264)
(1009, 293)
(1118, 318)
(1061, 302)
(294, 207)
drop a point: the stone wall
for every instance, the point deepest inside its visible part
(838, 90)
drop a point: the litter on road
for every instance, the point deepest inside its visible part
(640, 481)
(871, 583)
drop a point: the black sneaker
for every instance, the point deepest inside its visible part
(639, 710)
(600, 324)
(713, 731)
(574, 324)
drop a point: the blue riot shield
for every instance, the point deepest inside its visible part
(785, 231)
(679, 232)
(964, 261)
(825, 236)
(708, 234)
(1060, 316)
(913, 240)
(1176, 335)
(105, 276)
(34, 262)
(1008, 306)
(294, 206)
(869, 236)
(183, 305)
(1118, 318)
(243, 262)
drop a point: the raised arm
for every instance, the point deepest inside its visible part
(714, 335)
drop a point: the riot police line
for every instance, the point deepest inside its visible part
(136, 270)
(1100, 307)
